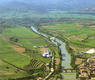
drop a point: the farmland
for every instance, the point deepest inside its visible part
(19, 32)
(20, 54)
(11, 56)
(79, 35)
(47, 40)
(15, 63)
(50, 14)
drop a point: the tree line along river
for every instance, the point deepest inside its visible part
(66, 58)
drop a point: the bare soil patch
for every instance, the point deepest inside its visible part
(30, 38)
(74, 48)
(57, 61)
(92, 37)
(8, 74)
(79, 25)
(18, 49)
(0, 60)
(93, 27)
(78, 61)
(76, 37)
(4, 37)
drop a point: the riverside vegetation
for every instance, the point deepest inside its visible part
(77, 31)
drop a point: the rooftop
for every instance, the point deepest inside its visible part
(44, 49)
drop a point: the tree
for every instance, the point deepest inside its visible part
(14, 39)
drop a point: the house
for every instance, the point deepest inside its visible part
(84, 75)
(84, 72)
(46, 52)
(88, 70)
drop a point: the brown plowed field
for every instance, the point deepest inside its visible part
(18, 49)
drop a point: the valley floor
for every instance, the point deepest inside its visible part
(21, 55)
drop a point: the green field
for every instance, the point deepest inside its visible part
(8, 72)
(26, 39)
(32, 42)
(79, 35)
(10, 55)
(77, 29)
(20, 32)
(50, 14)
(72, 76)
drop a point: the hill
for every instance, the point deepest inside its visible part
(45, 5)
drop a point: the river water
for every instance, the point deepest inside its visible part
(66, 58)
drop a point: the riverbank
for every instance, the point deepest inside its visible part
(69, 51)
(56, 69)
(66, 59)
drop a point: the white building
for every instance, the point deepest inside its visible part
(46, 52)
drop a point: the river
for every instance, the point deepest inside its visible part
(66, 58)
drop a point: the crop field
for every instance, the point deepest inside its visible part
(8, 72)
(20, 54)
(50, 14)
(29, 43)
(10, 55)
(20, 32)
(80, 36)
(17, 44)
(26, 37)
(72, 76)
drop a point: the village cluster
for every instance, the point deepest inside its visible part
(86, 68)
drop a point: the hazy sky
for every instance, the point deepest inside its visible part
(67, 4)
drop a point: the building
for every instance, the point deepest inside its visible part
(46, 52)
(87, 71)
(84, 72)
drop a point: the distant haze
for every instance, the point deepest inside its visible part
(44, 5)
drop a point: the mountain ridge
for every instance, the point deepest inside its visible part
(44, 5)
